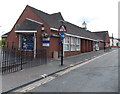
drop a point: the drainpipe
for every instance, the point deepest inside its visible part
(34, 45)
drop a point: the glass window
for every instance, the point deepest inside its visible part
(73, 44)
(78, 44)
(67, 43)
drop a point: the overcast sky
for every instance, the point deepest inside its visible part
(100, 15)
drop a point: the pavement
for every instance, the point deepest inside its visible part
(16, 79)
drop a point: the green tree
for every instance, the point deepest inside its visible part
(3, 42)
(0, 42)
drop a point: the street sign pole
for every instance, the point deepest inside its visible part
(62, 53)
(62, 29)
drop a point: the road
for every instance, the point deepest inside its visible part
(99, 75)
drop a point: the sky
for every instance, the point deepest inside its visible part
(100, 15)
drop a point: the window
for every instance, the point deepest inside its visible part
(73, 44)
(67, 43)
(77, 44)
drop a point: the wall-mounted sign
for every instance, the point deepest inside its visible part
(27, 42)
(46, 42)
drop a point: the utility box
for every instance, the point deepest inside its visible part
(55, 54)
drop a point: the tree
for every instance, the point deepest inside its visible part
(0, 42)
(3, 42)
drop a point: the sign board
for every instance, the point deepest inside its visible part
(27, 42)
(62, 28)
(60, 43)
(46, 42)
(62, 35)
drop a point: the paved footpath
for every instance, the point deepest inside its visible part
(16, 79)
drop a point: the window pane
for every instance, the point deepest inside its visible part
(67, 39)
(77, 47)
(73, 40)
(72, 47)
(78, 41)
(66, 47)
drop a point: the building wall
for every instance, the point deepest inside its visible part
(86, 45)
(107, 40)
(70, 53)
(13, 37)
(54, 44)
(27, 13)
(82, 45)
(101, 45)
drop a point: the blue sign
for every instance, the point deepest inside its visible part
(62, 35)
(60, 43)
(45, 41)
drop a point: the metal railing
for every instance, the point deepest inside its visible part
(13, 60)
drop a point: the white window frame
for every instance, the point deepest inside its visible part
(78, 42)
(67, 43)
(73, 44)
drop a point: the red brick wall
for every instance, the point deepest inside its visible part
(82, 45)
(86, 45)
(70, 53)
(101, 44)
(27, 13)
(54, 46)
(107, 39)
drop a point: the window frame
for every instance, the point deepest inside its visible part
(67, 43)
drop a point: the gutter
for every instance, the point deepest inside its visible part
(77, 36)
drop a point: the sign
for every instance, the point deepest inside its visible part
(46, 42)
(60, 43)
(27, 42)
(62, 28)
(62, 35)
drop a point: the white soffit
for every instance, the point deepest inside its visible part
(81, 37)
(24, 31)
(34, 21)
(54, 29)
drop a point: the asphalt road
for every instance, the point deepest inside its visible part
(100, 75)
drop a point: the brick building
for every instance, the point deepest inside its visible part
(104, 35)
(36, 30)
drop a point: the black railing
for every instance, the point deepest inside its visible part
(13, 60)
